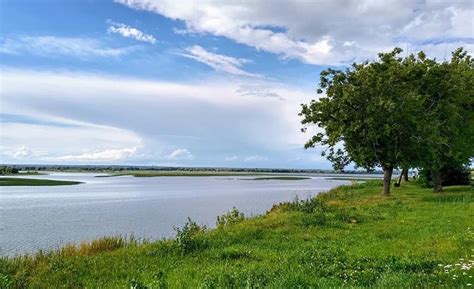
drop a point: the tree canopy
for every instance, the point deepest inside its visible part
(395, 112)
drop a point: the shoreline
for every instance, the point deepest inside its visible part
(349, 230)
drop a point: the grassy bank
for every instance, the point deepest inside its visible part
(34, 182)
(349, 237)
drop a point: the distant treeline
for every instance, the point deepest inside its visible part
(8, 170)
(104, 168)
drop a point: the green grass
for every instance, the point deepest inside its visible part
(34, 182)
(351, 237)
(283, 178)
(350, 179)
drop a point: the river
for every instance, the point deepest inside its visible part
(33, 218)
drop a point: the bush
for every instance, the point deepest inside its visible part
(452, 176)
(185, 237)
(307, 205)
(232, 217)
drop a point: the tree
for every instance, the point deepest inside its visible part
(8, 170)
(397, 113)
(370, 110)
(448, 90)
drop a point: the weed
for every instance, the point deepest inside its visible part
(232, 217)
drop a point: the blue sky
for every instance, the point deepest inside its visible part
(198, 83)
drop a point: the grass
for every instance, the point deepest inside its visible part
(283, 178)
(350, 179)
(34, 182)
(350, 237)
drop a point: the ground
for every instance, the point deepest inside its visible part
(349, 237)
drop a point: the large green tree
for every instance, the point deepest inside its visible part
(396, 112)
(448, 92)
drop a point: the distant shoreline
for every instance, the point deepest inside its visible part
(120, 168)
(7, 181)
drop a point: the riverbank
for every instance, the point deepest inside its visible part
(34, 182)
(350, 236)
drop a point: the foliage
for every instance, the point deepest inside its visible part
(448, 91)
(186, 236)
(338, 158)
(307, 205)
(232, 217)
(8, 170)
(459, 175)
(396, 112)
(346, 238)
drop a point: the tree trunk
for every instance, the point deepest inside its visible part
(405, 174)
(387, 179)
(437, 180)
(397, 184)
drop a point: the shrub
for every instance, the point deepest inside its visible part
(308, 205)
(185, 237)
(232, 217)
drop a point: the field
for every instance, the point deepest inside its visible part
(349, 237)
(34, 182)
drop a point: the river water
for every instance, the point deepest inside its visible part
(33, 218)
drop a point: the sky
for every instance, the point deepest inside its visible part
(191, 83)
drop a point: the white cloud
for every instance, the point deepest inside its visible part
(21, 152)
(180, 31)
(103, 155)
(53, 46)
(255, 158)
(219, 62)
(258, 90)
(326, 32)
(130, 32)
(181, 154)
(29, 142)
(210, 116)
(231, 158)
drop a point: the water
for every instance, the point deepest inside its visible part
(33, 218)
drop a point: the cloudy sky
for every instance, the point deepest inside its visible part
(191, 83)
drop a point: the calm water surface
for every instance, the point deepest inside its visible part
(33, 218)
